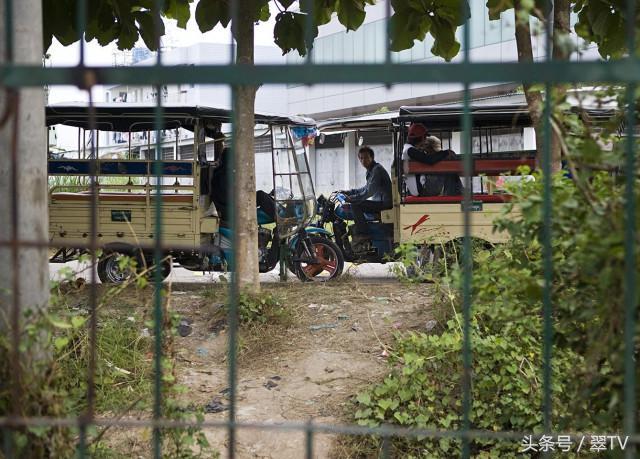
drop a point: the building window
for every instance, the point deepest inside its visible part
(167, 153)
(186, 152)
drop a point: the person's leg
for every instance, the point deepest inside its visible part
(266, 203)
(359, 210)
(373, 206)
(358, 218)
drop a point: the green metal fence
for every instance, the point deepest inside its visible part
(624, 71)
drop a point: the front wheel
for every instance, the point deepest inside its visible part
(325, 262)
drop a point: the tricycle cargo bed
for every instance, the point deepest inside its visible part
(128, 197)
(437, 222)
(128, 218)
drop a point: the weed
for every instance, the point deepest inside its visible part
(56, 385)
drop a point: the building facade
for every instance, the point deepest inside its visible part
(490, 41)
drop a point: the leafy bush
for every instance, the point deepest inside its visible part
(587, 291)
(55, 352)
(260, 309)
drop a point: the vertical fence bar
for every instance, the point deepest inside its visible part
(16, 370)
(158, 315)
(630, 258)
(87, 417)
(309, 20)
(13, 109)
(386, 447)
(466, 250)
(547, 236)
(389, 31)
(234, 292)
(308, 442)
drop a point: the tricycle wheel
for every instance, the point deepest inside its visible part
(166, 262)
(425, 266)
(114, 268)
(328, 260)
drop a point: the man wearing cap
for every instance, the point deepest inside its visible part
(428, 150)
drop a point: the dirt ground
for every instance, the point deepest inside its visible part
(332, 345)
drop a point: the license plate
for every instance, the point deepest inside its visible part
(475, 206)
(120, 215)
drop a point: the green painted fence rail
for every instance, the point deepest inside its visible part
(623, 71)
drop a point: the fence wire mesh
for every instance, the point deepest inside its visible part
(549, 72)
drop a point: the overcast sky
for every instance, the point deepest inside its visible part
(175, 37)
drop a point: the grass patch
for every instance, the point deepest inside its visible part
(124, 365)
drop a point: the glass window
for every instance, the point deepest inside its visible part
(380, 45)
(428, 44)
(323, 51)
(337, 45)
(508, 25)
(348, 47)
(358, 46)
(492, 29)
(405, 56)
(460, 37)
(369, 42)
(476, 24)
(418, 51)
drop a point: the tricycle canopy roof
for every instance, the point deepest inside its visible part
(450, 116)
(514, 115)
(374, 121)
(125, 117)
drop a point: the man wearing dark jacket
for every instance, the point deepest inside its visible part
(219, 179)
(374, 196)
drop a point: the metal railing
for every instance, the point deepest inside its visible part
(623, 71)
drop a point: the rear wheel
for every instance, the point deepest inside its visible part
(327, 263)
(427, 264)
(115, 267)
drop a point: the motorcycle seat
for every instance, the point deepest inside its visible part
(344, 212)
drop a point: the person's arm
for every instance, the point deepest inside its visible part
(374, 184)
(354, 191)
(432, 158)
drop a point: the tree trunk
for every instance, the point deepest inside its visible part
(534, 97)
(244, 175)
(25, 116)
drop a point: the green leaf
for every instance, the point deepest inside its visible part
(60, 342)
(211, 12)
(264, 13)
(58, 323)
(384, 403)
(351, 13)
(77, 321)
(496, 7)
(178, 10)
(322, 10)
(445, 44)
(364, 398)
(147, 29)
(289, 32)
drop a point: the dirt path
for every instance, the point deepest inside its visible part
(306, 371)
